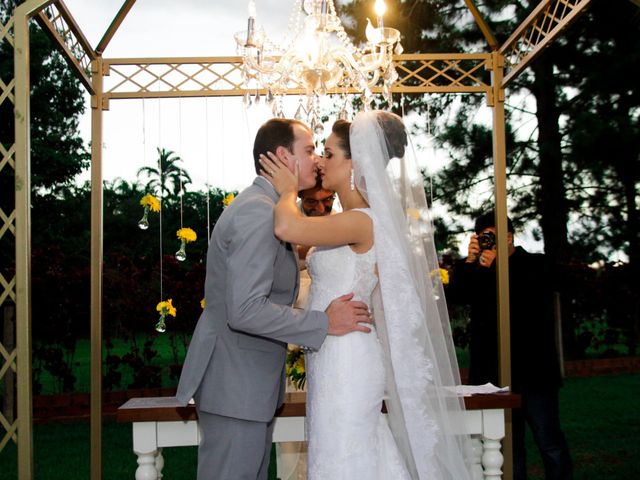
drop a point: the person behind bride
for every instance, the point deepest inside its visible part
(380, 247)
(234, 366)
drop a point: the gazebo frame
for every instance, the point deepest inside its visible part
(204, 77)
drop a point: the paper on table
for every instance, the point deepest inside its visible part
(468, 390)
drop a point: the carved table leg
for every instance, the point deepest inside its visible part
(475, 454)
(492, 459)
(147, 466)
(159, 463)
(492, 435)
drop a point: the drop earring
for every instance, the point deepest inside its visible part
(352, 184)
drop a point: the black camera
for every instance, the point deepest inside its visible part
(486, 240)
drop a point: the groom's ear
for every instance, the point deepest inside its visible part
(283, 154)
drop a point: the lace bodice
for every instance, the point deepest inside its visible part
(348, 436)
(337, 271)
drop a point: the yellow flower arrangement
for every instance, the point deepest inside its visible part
(226, 201)
(444, 276)
(202, 303)
(150, 201)
(187, 235)
(443, 273)
(165, 308)
(295, 367)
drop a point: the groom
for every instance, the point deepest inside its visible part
(235, 364)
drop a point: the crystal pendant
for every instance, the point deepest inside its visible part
(161, 326)
(386, 93)
(181, 255)
(247, 100)
(299, 112)
(318, 129)
(143, 224)
(257, 98)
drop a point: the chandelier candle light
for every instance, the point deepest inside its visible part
(317, 57)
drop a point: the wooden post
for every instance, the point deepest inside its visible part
(8, 340)
(96, 269)
(502, 259)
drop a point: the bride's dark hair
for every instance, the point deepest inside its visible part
(395, 133)
(341, 130)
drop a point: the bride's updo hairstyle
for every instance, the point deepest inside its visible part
(341, 130)
(394, 132)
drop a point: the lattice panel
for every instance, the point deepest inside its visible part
(222, 76)
(127, 79)
(443, 73)
(68, 36)
(8, 427)
(544, 23)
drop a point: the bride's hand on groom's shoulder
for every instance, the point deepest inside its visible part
(278, 173)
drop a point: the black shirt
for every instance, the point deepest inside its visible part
(534, 358)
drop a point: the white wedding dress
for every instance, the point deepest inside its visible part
(349, 437)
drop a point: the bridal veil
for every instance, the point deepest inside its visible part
(409, 308)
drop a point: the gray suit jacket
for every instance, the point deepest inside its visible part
(235, 362)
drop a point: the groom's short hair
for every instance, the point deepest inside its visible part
(274, 133)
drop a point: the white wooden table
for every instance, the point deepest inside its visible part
(160, 422)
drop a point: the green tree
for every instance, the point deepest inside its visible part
(169, 178)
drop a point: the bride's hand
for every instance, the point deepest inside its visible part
(277, 172)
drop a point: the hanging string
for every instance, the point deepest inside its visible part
(144, 134)
(161, 192)
(206, 164)
(222, 173)
(180, 193)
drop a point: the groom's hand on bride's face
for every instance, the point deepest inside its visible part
(347, 316)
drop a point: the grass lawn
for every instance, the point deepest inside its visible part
(599, 417)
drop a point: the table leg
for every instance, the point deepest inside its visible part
(145, 446)
(147, 466)
(492, 435)
(475, 454)
(159, 463)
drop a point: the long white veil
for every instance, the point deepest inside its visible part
(410, 309)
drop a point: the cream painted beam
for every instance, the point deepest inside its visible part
(222, 76)
(69, 57)
(22, 117)
(484, 28)
(502, 259)
(75, 29)
(97, 227)
(536, 32)
(115, 24)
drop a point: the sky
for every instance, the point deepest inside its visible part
(213, 136)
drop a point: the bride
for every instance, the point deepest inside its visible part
(381, 248)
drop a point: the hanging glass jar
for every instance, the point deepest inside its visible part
(150, 203)
(143, 223)
(165, 308)
(185, 235)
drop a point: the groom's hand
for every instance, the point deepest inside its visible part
(347, 316)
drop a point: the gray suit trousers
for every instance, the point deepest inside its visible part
(233, 449)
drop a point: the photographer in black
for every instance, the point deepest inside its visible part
(535, 371)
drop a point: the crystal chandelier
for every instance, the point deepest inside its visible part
(317, 57)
